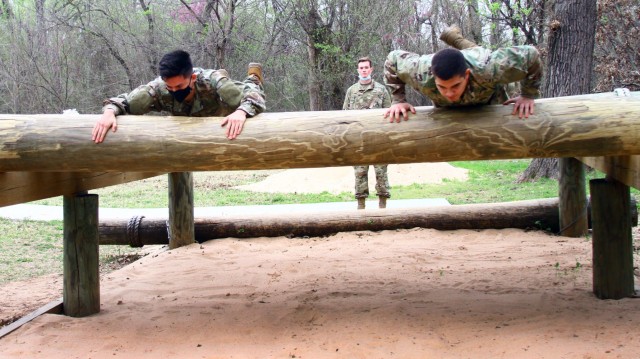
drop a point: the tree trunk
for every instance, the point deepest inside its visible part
(569, 64)
(569, 68)
(475, 25)
(540, 168)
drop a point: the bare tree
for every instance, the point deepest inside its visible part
(617, 43)
(569, 65)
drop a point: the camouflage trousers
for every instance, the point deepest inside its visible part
(362, 181)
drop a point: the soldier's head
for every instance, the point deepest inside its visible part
(176, 70)
(364, 69)
(451, 73)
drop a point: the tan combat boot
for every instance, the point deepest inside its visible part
(361, 202)
(452, 36)
(255, 68)
(383, 202)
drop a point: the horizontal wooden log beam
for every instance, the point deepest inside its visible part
(542, 214)
(20, 187)
(539, 213)
(625, 169)
(587, 125)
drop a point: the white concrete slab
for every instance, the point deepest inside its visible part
(51, 213)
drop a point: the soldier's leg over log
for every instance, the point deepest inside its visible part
(452, 36)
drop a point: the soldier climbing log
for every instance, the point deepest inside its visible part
(587, 125)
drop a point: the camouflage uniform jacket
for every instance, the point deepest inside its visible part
(371, 95)
(490, 72)
(215, 95)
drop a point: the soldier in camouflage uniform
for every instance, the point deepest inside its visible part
(473, 76)
(366, 94)
(183, 90)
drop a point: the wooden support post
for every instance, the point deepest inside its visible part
(181, 218)
(81, 293)
(573, 198)
(612, 241)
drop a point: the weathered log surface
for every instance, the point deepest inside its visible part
(612, 240)
(625, 169)
(541, 214)
(81, 285)
(538, 214)
(20, 187)
(586, 125)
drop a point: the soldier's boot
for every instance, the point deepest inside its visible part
(452, 36)
(361, 202)
(255, 68)
(383, 202)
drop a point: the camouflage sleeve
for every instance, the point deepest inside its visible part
(386, 101)
(141, 100)
(391, 78)
(253, 98)
(347, 96)
(519, 63)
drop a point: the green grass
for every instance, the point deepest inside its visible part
(488, 182)
(32, 248)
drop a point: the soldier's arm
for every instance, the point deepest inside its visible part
(386, 101)
(399, 108)
(519, 63)
(392, 80)
(248, 96)
(138, 102)
(345, 104)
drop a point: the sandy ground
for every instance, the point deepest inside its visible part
(416, 293)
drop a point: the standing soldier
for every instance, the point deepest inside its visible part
(471, 76)
(366, 94)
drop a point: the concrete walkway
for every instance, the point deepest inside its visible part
(51, 213)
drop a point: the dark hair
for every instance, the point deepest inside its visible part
(447, 63)
(175, 63)
(365, 59)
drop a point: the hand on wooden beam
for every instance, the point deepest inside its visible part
(523, 106)
(398, 111)
(107, 121)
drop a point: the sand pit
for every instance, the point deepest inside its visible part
(395, 294)
(416, 293)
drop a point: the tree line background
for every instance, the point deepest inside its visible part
(60, 54)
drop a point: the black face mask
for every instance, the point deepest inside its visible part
(180, 95)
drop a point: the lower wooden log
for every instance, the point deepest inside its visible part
(535, 214)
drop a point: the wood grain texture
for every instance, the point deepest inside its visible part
(181, 213)
(542, 214)
(587, 125)
(625, 169)
(612, 241)
(20, 187)
(81, 283)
